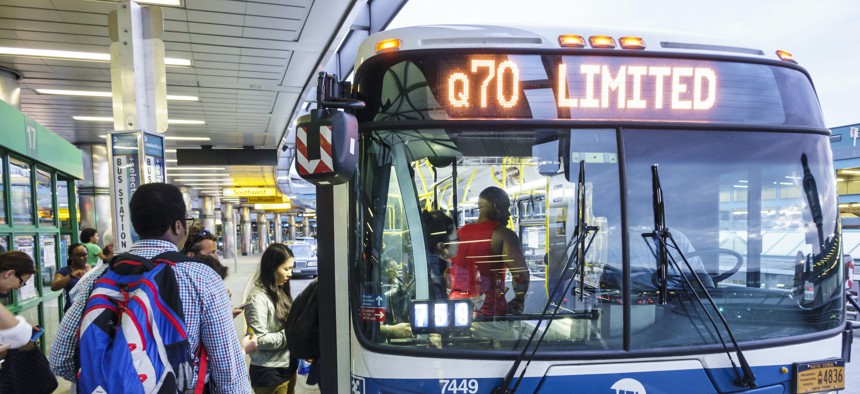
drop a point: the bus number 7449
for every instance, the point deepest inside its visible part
(466, 386)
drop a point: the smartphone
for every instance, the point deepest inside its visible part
(37, 334)
(243, 305)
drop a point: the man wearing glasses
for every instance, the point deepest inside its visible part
(158, 215)
(200, 242)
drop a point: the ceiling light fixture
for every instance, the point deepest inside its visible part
(211, 174)
(93, 118)
(186, 121)
(110, 119)
(75, 55)
(196, 168)
(94, 93)
(187, 138)
(159, 2)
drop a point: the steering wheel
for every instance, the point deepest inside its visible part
(723, 276)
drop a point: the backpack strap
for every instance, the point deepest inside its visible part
(130, 264)
(172, 257)
(201, 372)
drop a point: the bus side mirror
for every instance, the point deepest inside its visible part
(326, 147)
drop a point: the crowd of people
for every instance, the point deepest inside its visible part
(203, 311)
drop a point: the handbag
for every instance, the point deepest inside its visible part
(26, 370)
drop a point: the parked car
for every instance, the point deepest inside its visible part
(310, 240)
(305, 259)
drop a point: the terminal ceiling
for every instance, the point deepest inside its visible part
(253, 65)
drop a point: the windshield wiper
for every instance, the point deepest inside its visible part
(811, 191)
(578, 255)
(662, 235)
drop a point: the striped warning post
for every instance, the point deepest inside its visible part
(317, 166)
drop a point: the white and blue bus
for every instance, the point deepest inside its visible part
(675, 202)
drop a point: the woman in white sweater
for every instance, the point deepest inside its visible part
(269, 305)
(16, 268)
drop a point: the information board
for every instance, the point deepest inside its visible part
(125, 180)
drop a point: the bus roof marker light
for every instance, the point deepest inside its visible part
(571, 41)
(632, 42)
(391, 44)
(785, 56)
(602, 42)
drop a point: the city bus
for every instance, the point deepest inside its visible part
(674, 199)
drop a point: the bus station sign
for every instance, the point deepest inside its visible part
(136, 158)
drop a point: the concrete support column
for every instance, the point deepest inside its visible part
(306, 222)
(292, 227)
(94, 195)
(279, 229)
(207, 213)
(10, 90)
(262, 230)
(246, 231)
(228, 230)
(186, 196)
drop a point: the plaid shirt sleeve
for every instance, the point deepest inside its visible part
(218, 335)
(62, 354)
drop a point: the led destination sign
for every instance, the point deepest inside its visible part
(445, 86)
(634, 87)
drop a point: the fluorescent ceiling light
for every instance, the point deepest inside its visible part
(196, 168)
(171, 160)
(85, 93)
(185, 121)
(110, 119)
(159, 2)
(187, 138)
(93, 118)
(204, 184)
(93, 93)
(199, 179)
(75, 55)
(170, 151)
(182, 98)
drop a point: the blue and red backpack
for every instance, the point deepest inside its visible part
(132, 337)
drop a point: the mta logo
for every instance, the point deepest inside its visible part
(628, 386)
(357, 385)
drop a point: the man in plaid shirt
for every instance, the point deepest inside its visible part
(158, 216)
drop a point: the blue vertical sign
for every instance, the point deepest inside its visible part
(126, 178)
(153, 147)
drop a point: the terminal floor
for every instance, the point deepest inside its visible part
(242, 272)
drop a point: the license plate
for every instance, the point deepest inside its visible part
(297, 270)
(819, 376)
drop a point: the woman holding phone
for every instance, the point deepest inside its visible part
(269, 303)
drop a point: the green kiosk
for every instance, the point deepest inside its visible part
(38, 211)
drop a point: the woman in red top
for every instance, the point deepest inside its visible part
(486, 250)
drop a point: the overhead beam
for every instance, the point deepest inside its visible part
(226, 157)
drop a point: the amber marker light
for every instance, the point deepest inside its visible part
(571, 41)
(601, 42)
(632, 42)
(391, 44)
(785, 56)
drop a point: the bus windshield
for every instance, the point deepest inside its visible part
(737, 203)
(469, 201)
